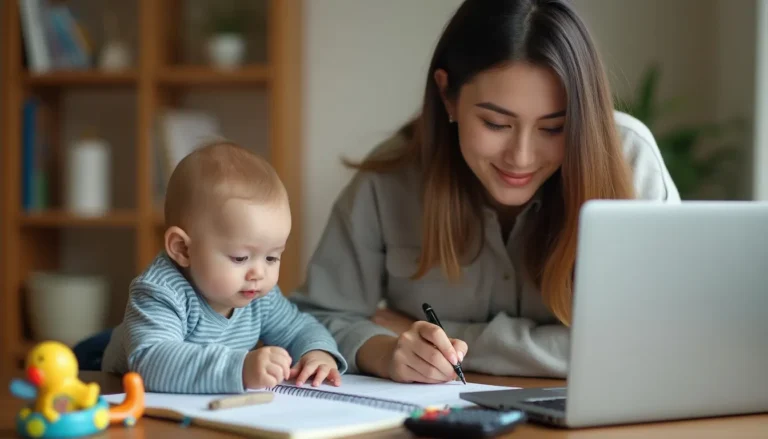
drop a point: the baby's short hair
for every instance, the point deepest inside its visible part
(214, 172)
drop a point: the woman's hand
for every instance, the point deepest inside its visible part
(392, 320)
(424, 354)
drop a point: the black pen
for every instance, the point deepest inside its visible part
(432, 318)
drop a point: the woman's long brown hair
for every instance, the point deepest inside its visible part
(489, 33)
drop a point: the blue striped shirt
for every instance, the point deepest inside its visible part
(179, 344)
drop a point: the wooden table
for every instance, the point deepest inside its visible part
(730, 427)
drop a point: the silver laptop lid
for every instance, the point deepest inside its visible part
(670, 312)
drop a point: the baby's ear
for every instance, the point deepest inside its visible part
(177, 245)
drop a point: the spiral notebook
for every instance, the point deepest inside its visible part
(360, 405)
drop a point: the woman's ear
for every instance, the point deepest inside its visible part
(177, 245)
(441, 79)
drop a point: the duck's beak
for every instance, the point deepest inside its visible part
(35, 376)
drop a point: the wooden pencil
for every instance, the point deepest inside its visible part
(250, 398)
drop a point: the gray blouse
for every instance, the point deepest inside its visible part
(371, 245)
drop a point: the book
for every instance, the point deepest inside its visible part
(34, 33)
(362, 404)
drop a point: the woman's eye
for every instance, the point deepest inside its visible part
(493, 126)
(556, 130)
(238, 259)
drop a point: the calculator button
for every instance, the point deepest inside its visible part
(510, 417)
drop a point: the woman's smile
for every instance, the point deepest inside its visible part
(514, 179)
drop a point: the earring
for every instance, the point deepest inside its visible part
(450, 119)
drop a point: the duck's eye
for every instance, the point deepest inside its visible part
(40, 358)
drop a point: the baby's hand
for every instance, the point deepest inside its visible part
(320, 364)
(266, 367)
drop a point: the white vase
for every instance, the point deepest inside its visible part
(226, 51)
(114, 56)
(88, 177)
(66, 308)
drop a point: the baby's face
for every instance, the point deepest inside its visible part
(235, 254)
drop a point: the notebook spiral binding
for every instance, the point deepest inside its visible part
(345, 397)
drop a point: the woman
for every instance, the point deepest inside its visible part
(473, 207)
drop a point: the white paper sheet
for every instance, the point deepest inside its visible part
(305, 417)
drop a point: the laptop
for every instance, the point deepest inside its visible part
(670, 317)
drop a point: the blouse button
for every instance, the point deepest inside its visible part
(507, 276)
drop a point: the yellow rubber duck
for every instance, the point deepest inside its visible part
(52, 368)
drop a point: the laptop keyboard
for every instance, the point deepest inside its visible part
(549, 403)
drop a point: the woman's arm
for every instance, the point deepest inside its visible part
(514, 346)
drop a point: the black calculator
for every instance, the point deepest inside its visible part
(456, 422)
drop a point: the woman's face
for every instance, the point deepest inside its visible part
(510, 123)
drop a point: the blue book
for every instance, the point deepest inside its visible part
(28, 141)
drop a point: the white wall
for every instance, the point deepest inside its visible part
(365, 68)
(761, 107)
(735, 74)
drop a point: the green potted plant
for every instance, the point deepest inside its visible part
(692, 169)
(226, 40)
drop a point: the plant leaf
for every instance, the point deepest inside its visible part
(670, 106)
(684, 175)
(681, 141)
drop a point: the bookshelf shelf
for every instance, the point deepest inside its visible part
(86, 78)
(58, 218)
(193, 76)
(160, 80)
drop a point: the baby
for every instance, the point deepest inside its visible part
(195, 315)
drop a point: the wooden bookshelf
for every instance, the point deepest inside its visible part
(192, 76)
(30, 240)
(23, 348)
(86, 78)
(59, 218)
